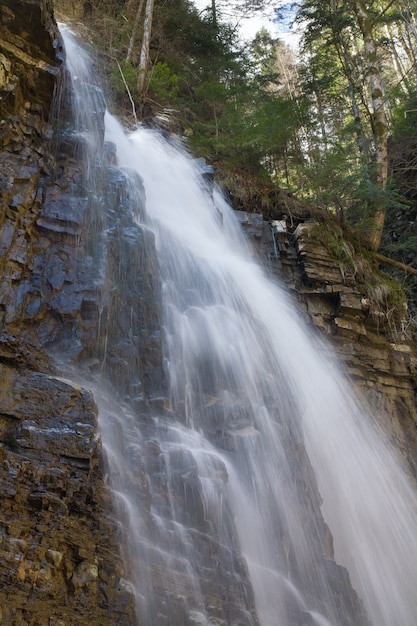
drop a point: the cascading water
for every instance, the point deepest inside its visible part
(226, 468)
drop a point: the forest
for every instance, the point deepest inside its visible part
(332, 122)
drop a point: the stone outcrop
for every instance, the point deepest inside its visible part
(59, 546)
(27, 63)
(80, 292)
(59, 561)
(359, 310)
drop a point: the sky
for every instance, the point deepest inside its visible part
(249, 27)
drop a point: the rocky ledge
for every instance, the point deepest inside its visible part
(59, 548)
(60, 564)
(359, 310)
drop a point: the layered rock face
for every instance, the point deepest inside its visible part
(60, 562)
(60, 559)
(27, 63)
(362, 316)
(368, 327)
(80, 293)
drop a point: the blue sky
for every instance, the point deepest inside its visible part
(249, 27)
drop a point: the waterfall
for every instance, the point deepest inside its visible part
(218, 485)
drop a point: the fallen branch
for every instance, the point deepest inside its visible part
(126, 86)
(400, 266)
(128, 91)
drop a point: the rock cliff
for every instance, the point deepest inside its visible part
(361, 312)
(59, 543)
(68, 249)
(59, 552)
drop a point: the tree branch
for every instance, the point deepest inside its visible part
(397, 264)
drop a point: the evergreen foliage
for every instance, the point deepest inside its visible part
(270, 117)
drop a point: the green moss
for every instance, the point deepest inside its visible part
(388, 306)
(333, 238)
(385, 294)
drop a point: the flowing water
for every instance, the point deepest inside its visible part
(257, 420)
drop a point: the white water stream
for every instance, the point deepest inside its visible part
(231, 331)
(248, 387)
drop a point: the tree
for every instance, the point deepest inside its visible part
(368, 69)
(378, 120)
(326, 117)
(276, 118)
(134, 29)
(144, 53)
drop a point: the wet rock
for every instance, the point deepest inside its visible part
(63, 214)
(252, 224)
(60, 562)
(28, 65)
(376, 353)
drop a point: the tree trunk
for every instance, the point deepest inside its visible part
(408, 43)
(379, 118)
(397, 264)
(400, 71)
(214, 13)
(134, 30)
(146, 41)
(361, 139)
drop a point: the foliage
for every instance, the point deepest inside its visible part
(120, 75)
(301, 121)
(366, 194)
(163, 83)
(405, 118)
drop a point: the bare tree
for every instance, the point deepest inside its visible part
(144, 54)
(134, 30)
(379, 122)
